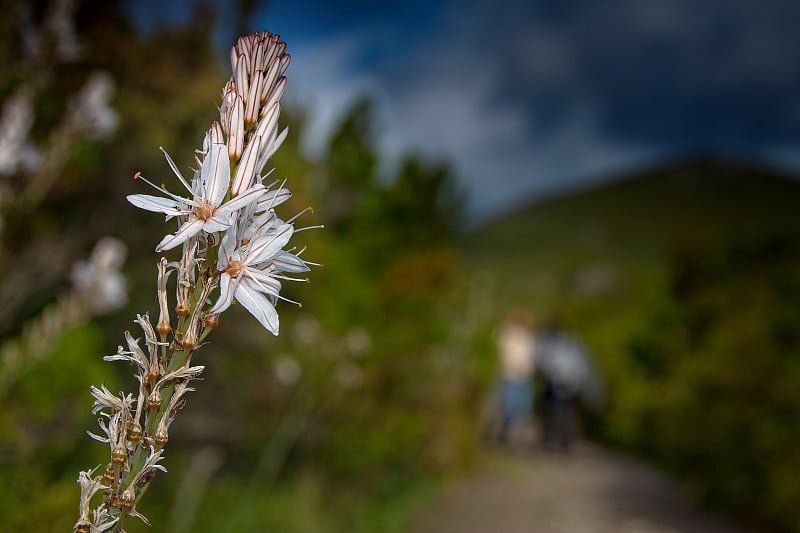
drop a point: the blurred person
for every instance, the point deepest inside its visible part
(516, 353)
(568, 379)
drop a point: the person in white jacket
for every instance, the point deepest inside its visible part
(516, 353)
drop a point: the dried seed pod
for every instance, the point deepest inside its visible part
(108, 476)
(113, 500)
(152, 375)
(135, 433)
(119, 455)
(211, 321)
(127, 499)
(161, 437)
(154, 399)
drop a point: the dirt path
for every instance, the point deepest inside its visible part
(590, 490)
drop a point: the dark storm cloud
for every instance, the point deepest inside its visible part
(654, 71)
(531, 98)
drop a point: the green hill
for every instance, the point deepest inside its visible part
(618, 237)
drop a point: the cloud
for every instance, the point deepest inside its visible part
(325, 84)
(530, 99)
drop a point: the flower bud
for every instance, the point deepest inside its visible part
(236, 130)
(163, 327)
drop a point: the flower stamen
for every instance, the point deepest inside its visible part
(234, 269)
(204, 211)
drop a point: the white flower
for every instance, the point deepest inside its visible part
(103, 399)
(100, 279)
(90, 110)
(15, 123)
(102, 520)
(207, 210)
(251, 267)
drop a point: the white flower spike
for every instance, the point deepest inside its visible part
(247, 262)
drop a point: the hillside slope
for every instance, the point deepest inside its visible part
(618, 237)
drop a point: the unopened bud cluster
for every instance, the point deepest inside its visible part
(232, 244)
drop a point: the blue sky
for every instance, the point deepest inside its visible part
(533, 98)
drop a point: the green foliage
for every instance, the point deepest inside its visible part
(41, 445)
(721, 374)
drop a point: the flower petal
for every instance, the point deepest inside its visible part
(227, 287)
(287, 262)
(259, 306)
(216, 175)
(268, 124)
(275, 93)
(246, 170)
(157, 204)
(276, 143)
(218, 223)
(264, 249)
(227, 247)
(249, 196)
(189, 229)
(263, 282)
(274, 198)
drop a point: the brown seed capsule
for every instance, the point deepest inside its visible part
(127, 499)
(152, 375)
(163, 328)
(161, 438)
(82, 527)
(118, 456)
(211, 321)
(112, 500)
(154, 399)
(135, 433)
(189, 341)
(182, 310)
(108, 476)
